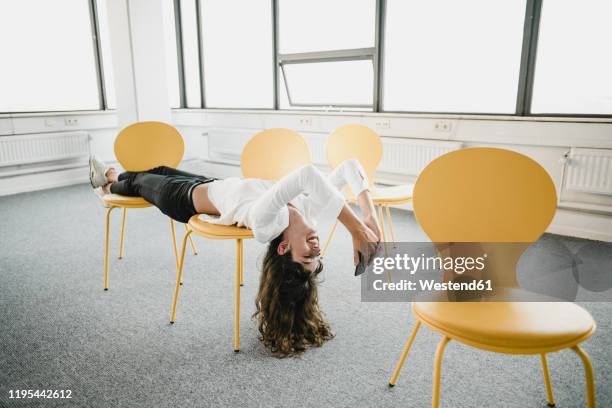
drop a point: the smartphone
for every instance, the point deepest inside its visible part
(361, 266)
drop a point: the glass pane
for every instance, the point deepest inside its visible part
(238, 59)
(452, 56)
(107, 59)
(574, 61)
(320, 25)
(191, 64)
(48, 58)
(331, 83)
(172, 69)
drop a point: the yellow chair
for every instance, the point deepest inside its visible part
(269, 155)
(362, 143)
(487, 195)
(138, 147)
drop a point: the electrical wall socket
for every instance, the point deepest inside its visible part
(71, 121)
(383, 123)
(442, 126)
(306, 121)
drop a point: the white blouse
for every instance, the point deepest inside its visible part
(261, 205)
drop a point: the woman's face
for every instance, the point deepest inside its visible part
(302, 240)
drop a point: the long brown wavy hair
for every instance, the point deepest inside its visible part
(288, 315)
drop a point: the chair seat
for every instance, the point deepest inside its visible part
(389, 195)
(117, 200)
(216, 231)
(393, 195)
(509, 327)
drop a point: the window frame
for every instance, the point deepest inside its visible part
(356, 54)
(183, 92)
(533, 15)
(353, 54)
(524, 93)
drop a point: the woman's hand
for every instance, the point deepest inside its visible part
(366, 242)
(368, 214)
(372, 223)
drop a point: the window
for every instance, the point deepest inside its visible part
(339, 83)
(48, 56)
(327, 53)
(191, 53)
(439, 56)
(573, 72)
(452, 56)
(172, 66)
(238, 57)
(319, 25)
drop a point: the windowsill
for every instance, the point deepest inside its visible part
(572, 119)
(58, 113)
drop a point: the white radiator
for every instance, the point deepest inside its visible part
(42, 148)
(411, 156)
(589, 171)
(225, 145)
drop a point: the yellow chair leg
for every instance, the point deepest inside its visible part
(122, 234)
(590, 377)
(549, 392)
(331, 234)
(237, 308)
(435, 398)
(106, 247)
(179, 277)
(242, 265)
(176, 259)
(174, 243)
(400, 363)
(193, 247)
(381, 222)
(390, 226)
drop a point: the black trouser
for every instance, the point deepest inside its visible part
(167, 188)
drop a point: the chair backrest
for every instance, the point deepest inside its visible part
(355, 142)
(273, 153)
(486, 195)
(145, 145)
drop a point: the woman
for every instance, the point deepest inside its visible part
(283, 214)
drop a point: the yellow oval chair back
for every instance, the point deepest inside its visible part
(484, 195)
(145, 145)
(362, 143)
(273, 153)
(355, 142)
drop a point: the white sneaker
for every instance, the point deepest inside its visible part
(97, 172)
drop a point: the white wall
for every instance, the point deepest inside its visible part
(139, 62)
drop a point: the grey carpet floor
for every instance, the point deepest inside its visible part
(60, 330)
